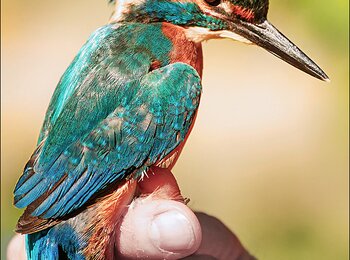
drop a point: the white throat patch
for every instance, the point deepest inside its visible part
(199, 34)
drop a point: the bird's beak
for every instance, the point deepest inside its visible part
(267, 36)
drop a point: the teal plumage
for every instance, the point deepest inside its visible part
(59, 242)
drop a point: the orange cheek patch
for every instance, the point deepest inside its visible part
(243, 12)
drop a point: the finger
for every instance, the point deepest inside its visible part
(161, 184)
(156, 227)
(219, 242)
(16, 248)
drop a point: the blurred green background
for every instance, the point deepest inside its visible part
(269, 152)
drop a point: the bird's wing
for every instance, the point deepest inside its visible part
(102, 135)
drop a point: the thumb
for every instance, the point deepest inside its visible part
(157, 227)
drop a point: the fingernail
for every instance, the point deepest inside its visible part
(171, 231)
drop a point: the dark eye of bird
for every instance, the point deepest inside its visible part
(213, 2)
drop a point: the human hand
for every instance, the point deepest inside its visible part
(158, 225)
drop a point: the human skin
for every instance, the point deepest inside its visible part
(155, 226)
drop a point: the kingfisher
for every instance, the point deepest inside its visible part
(124, 106)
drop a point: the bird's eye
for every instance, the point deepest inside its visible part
(213, 2)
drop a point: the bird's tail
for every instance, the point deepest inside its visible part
(54, 243)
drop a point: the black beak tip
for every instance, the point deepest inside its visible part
(322, 76)
(325, 78)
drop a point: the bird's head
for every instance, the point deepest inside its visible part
(241, 20)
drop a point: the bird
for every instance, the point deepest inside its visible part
(126, 104)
